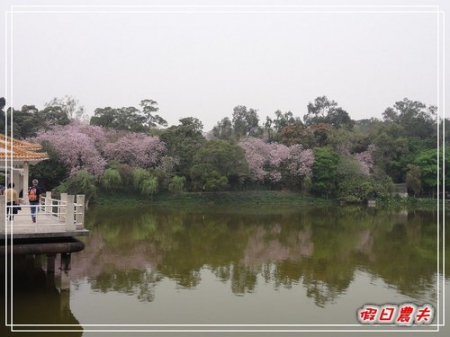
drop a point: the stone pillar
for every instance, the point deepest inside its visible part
(70, 223)
(24, 184)
(48, 203)
(2, 213)
(80, 211)
(64, 275)
(51, 258)
(62, 208)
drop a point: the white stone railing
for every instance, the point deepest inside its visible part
(68, 211)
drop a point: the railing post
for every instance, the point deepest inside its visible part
(62, 208)
(80, 211)
(70, 224)
(48, 203)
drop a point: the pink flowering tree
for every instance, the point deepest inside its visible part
(365, 161)
(136, 150)
(77, 146)
(274, 162)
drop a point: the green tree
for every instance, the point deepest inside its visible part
(224, 130)
(52, 116)
(352, 185)
(245, 122)
(205, 177)
(149, 186)
(413, 179)
(50, 172)
(81, 183)
(224, 158)
(324, 171)
(182, 143)
(325, 111)
(416, 119)
(427, 161)
(129, 118)
(111, 180)
(177, 185)
(26, 122)
(70, 107)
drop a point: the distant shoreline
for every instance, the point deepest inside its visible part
(263, 197)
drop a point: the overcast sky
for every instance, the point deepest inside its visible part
(203, 61)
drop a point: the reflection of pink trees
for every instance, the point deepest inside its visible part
(266, 160)
(260, 251)
(98, 257)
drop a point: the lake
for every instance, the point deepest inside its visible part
(250, 267)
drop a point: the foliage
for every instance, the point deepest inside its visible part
(69, 107)
(353, 185)
(245, 122)
(139, 176)
(416, 119)
(224, 130)
(82, 182)
(206, 178)
(183, 142)
(413, 179)
(226, 162)
(49, 172)
(325, 111)
(111, 180)
(149, 186)
(129, 118)
(177, 185)
(324, 171)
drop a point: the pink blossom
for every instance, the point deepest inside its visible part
(76, 146)
(365, 161)
(265, 160)
(136, 149)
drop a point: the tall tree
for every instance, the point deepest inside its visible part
(223, 130)
(218, 163)
(182, 143)
(245, 122)
(69, 105)
(416, 119)
(325, 111)
(129, 118)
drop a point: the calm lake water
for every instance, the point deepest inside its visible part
(245, 268)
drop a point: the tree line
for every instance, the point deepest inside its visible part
(324, 154)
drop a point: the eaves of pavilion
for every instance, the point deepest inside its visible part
(16, 156)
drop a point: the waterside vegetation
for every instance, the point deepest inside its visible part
(325, 155)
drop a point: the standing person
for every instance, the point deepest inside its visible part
(12, 198)
(34, 193)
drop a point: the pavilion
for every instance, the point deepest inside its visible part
(16, 156)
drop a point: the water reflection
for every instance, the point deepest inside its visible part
(132, 251)
(36, 301)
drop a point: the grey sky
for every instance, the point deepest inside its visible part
(204, 64)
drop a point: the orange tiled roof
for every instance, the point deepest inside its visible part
(21, 150)
(18, 143)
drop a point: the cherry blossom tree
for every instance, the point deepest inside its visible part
(136, 149)
(271, 160)
(365, 160)
(76, 146)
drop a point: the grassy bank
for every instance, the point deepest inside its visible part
(272, 198)
(219, 198)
